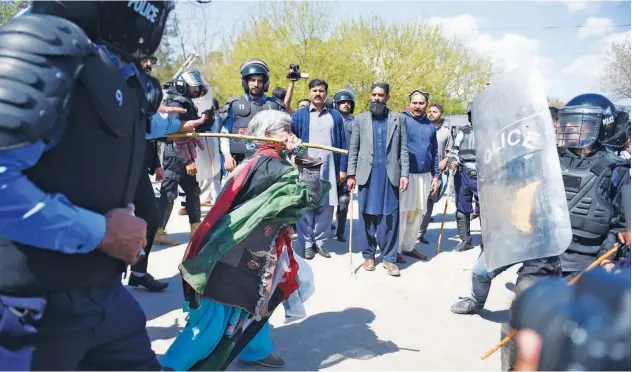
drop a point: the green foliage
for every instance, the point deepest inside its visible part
(8, 9)
(354, 54)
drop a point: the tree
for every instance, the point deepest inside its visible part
(354, 54)
(8, 9)
(555, 102)
(615, 79)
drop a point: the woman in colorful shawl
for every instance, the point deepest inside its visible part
(239, 265)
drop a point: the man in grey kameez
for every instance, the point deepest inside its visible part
(318, 124)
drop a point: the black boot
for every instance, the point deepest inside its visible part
(341, 214)
(463, 227)
(341, 223)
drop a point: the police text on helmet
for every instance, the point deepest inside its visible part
(144, 8)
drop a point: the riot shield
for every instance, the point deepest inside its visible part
(524, 214)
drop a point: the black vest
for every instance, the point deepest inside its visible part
(96, 165)
(243, 111)
(185, 103)
(587, 182)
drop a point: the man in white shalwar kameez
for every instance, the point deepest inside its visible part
(209, 166)
(423, 177)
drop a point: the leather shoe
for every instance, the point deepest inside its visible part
(310, 253)
(391, 268)
(415, 254)
(423, 240)
(147, 281)
(400, 259)
(323, 252)
(369, 265)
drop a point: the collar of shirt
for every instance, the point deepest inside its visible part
(313, 108)
(422, 120)
(260, 101)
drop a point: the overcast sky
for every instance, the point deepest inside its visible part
(510, 32)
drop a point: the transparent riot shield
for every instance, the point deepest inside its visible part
(524, 214)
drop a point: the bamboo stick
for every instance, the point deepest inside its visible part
(596, 263)
(254, 138)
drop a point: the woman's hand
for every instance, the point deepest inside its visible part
(292, 142)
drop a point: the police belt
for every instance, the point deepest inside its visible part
(471, 172)
(588, 242)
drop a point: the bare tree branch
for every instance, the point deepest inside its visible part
(615, 79)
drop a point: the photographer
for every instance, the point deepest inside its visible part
(585, 327)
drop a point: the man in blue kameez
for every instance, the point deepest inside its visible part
(378, 164)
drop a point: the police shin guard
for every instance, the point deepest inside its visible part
(463, 227)
(341, 217)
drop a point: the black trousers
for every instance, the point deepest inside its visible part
(169, 193)
(147, 209)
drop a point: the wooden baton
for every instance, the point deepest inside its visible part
(596, 263)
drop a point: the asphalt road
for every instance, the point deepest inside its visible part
(368, 322)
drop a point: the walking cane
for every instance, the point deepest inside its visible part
(353, 274)
(596, 263)
(445, 210)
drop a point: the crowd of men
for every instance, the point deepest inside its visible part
(80, 115)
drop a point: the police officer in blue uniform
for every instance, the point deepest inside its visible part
(463, 159)
(345, 103)
(237, 112)
(75, 108)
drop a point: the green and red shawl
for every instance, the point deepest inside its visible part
(237, 212)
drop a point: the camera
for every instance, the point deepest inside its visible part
(295, 73)
(583, 327)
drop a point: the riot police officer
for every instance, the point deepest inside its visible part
(463, 159)
(345, 103)
(237, 112)
(74, 114)
(587, 124)
(186, 87)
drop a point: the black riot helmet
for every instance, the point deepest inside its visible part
(590, 119)
(132, 29)
(254, 66)
(345, 94)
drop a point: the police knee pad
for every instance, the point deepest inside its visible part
(460, 216)
(169, 188)
(343, 201)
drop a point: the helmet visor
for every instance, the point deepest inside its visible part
(578, 128)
